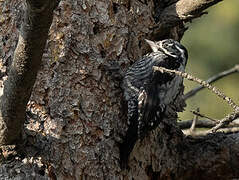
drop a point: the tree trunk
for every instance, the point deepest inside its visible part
(76, 117)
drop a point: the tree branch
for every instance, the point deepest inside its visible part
(228, 130)
(200, 123)
(203, 123)
(211, 80)
(23, 71)
(187, 157)
(184, 10)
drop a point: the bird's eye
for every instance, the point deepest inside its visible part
(169, 45)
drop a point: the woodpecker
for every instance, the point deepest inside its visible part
(149, 92)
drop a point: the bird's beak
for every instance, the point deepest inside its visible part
(153, 45)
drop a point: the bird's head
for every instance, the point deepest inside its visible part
(169, 47)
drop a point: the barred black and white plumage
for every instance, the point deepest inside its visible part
(148, 93)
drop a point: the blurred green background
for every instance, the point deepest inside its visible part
(213, 45)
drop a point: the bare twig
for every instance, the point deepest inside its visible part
(225, 121)
(205, 84)
(204, 116)
(212, 79)
(195, 119)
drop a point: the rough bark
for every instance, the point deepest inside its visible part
(24, 68)
(76, 117)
